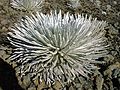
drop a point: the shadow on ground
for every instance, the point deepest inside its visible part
(8, 79)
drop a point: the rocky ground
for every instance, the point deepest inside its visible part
(107, 78)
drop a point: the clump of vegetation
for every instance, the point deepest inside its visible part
(56, 48)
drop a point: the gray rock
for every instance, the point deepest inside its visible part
(1, 88)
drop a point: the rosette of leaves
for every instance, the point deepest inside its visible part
(27, 5)
(55, 47)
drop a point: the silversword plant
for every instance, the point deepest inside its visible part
(58, 47)
(27, 5)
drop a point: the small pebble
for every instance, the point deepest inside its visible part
(115, 2)
(4, 22)
(104, 13)
(109, 7)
